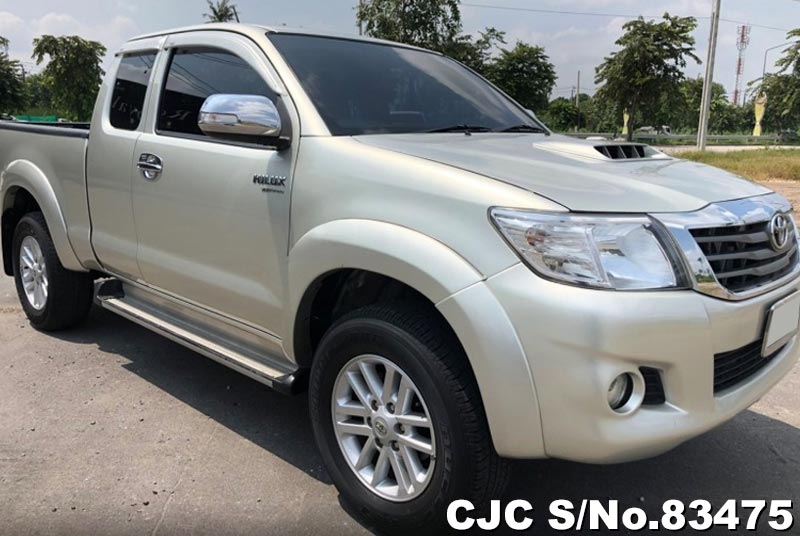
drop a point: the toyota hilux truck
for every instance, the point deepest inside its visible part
(377, 225)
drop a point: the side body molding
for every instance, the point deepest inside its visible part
(24, 174)
(457, 289)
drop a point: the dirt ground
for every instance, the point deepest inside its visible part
(789, 189)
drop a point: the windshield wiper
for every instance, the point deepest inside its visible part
(466, 129)
(523, 128)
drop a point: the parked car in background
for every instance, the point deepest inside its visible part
(663, 129)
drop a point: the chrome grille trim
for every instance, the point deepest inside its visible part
(733, 221)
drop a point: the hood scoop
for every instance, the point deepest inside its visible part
(623, 151)
(618, 152)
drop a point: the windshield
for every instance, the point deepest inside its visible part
(365, 88)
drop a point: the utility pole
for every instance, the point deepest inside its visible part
(705, 108)
(742, 42)
(578, 102)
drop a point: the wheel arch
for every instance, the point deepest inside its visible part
(376, 260)
(25, 188)
(337, 252)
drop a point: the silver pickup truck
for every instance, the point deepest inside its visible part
(376, 224)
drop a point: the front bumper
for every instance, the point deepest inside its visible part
(577, 340)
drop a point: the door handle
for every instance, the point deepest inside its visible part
(150, 165)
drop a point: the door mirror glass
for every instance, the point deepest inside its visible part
(224, 115)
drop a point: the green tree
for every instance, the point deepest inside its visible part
(73, 73)
(525, 73)
(38, 97)
(475, 53)
(783, 105)
(11, 90)
(433, 24)
(789, 82)
(220, 11)
(561, 114)
(791, 58)
(648, 67)
(727, 118)
(683, 114)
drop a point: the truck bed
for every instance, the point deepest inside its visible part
(74, 130)
(54, 157)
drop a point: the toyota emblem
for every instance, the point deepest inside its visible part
(780, 228)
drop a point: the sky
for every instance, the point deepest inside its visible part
(575, 42)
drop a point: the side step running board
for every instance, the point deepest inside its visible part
(282, 380)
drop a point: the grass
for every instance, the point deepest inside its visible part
(762, 164)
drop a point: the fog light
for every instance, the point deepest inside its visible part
(620, 391)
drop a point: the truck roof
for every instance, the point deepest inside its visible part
(249, 29)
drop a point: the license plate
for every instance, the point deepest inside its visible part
(783, 319)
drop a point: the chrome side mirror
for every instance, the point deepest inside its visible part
(239, 115)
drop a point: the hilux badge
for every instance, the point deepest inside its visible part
(269, 180)
(779, 231)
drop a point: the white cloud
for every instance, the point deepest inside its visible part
(21, 33)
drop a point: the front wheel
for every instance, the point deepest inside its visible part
(398, 418)
(52, 297)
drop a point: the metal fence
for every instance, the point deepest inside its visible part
(688, 139)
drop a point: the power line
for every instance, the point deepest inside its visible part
(597, 14)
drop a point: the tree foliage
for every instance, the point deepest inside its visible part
(73, 73)
(525, 73)
(783, 89)
(220, 11)
(11, 89)
(561, 114)
(783, 101)
(433, 24)
(38, 97)
(475, 53)
(648, 68)
(790, 62)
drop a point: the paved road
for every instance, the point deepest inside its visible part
(112, 430)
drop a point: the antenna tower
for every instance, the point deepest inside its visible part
(742, 42)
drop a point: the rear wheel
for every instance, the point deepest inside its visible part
(399, 421)
(52, 297)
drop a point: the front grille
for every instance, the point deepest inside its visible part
(742, 257)
(653, 387)
(732, 368)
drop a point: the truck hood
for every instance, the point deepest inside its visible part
(584, 176)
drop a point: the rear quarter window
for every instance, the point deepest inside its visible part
(130, 89)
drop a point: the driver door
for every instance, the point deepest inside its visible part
(208, 232)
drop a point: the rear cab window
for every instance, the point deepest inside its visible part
(130, 89)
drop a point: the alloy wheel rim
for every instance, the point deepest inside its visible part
(383, 428)
(33, 270)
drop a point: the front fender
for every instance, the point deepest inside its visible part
(415, 259)
(25, 175)
(456, 288)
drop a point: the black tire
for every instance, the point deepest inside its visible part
(467, 466)
(70, 293)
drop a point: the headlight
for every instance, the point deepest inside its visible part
(611, 252)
